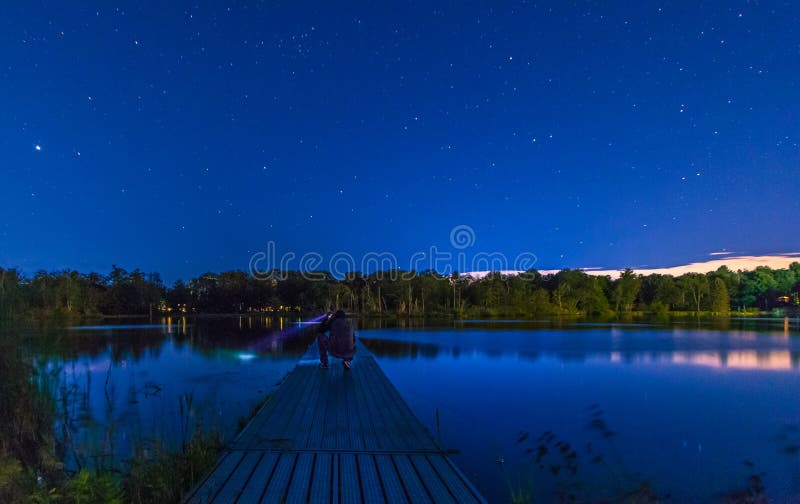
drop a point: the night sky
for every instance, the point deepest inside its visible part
(181, 137)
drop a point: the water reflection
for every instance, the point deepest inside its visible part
(733, 350)
(688, 400)
(124, 385)
(682, 406)
(785, 325)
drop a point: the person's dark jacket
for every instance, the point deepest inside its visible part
(342, 342)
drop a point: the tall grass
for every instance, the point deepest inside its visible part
(31, 471)
(157, 474)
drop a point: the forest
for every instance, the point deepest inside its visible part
(396, 293)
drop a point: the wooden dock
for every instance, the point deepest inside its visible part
(335, 436)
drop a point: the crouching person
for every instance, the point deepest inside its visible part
(336, 337)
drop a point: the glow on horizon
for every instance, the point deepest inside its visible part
(733, 262)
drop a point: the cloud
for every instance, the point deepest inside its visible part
(733, 262)
(720, 253)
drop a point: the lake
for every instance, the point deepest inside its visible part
(690, 409)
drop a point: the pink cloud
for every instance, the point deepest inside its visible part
(733, 262)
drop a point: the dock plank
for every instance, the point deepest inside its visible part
(239, 478)
(218, 476)
(278, 485)
(259, 479)
(430, 478)
(458, 485)
(408, 475)
(368, 474)
(348, 479)
(321, 483)
(301, 479)
(387, 473)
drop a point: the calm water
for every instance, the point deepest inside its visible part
(126, 385)
(691, 409)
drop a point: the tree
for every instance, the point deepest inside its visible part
(696, 285)
(626, 288)
(10, 295)
(720, 300)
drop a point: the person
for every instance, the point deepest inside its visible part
(342, 340)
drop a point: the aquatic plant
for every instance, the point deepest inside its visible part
(753, 491)
(566, 467)
(521, 491)
(88, 487)
(34, 398)
(562, 463)
(157, 474)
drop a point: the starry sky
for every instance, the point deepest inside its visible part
(182, 137)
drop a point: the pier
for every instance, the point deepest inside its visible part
(335, 436)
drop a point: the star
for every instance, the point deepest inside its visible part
(37, 147)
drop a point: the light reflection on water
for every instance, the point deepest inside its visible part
(690, 409)
(121, 386)
(688, 402)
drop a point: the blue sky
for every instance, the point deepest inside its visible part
(181, 138)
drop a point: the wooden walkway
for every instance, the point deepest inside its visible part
(338, 437)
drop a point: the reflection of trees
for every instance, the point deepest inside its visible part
(123, 344)
(97, 403)
(743, 350)
(392, 348)
(269, 335)
(204, 334)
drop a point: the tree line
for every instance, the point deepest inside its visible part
(425, 293)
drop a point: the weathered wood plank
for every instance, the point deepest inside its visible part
(239, 477)
(342, 434)
(355, 430)
(414, 488)
(348, 479)
(336, 480)
(458, 485)
(377, 424)
(360, 425)
(311, 403)
(368, 474)
(295, 419)
(431, 480)
(301, 479)
(328, 440)
(259, 479)
(321, 482)
(294, 407)
(218, 476)
(278, 395)
(391, 430)
(392, 486)
(252, 434)
(362, 411)
(278, 485)
(317, 428)
(414, 434)
(410, 431)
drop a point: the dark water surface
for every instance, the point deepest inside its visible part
(691, 409)
(691, 412)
